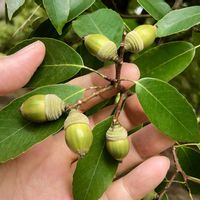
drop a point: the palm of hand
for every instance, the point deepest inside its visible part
(44, 172)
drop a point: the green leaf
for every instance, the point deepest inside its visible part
(13, 6)
(78, 6)
(157, 9)
(167, 109)
(17, 134)
(189, 160)
(95, 172)
(103, 21)
(60, 64)
(166, 61)
(58, 12)
(178, 20)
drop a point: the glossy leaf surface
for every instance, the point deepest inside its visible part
(61, 62)
(166, 61)
(167, 109)
(58, 12)
(13, 6)
(78, 6)
(178, 20)
(157, 9)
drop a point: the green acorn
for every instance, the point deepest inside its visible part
(141, 37)
(78, 134)
(42, 108)
(101, 47)
(117, 142)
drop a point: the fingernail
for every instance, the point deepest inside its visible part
(28, 48)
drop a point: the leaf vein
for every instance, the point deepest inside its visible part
(165, 108)
(97, 163)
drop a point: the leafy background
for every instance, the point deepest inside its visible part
(33, 17)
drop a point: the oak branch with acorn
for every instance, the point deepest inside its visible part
(78, 134)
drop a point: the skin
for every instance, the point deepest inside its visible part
(45, 171)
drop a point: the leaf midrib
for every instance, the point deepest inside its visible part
(170, 60)
(180, 21)
(164, 107)
(91, 180)
(97, 28)
(14, 133)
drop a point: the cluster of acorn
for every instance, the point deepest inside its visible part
(78, 134)
(135, 41)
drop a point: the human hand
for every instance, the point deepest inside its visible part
(45, 171)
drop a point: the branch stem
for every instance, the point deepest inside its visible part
(167, 186)
(99, 73)
(86, 99)
(186, 144)
(177, 4)
(177, 164)
(135, 16)
(122, 99)
(120, 60)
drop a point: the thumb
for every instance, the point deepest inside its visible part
(17, 69)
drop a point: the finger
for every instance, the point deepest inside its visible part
(17, 69)
(129, 71)
(140, 181)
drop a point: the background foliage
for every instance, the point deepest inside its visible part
(61, 28)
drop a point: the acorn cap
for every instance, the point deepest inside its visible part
(117, 142)
(147, 33)
(116, 132)
(141, 37)
(75, 117)
(54, 107)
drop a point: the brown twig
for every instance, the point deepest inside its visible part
(177, 4)
(177, 164)
(119, 106)
(120, 60)
(112, 81)
(84, 100)
(114, 5)
(123, 91)
(178, 170)
(168, 185)
(135, 16)
(193, 179)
